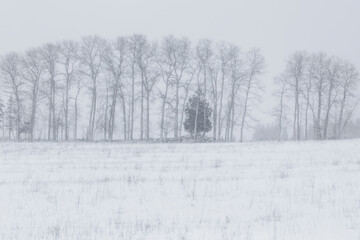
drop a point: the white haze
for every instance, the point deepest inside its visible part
(277, 27)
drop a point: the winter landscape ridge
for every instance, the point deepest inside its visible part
(254, 190)
(179, 120)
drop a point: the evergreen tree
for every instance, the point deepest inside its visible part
(2, 117)
(197, 111)
(10, 113)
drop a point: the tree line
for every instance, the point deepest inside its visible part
(316, 96)
(128, 88)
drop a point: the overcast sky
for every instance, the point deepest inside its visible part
(277, 27)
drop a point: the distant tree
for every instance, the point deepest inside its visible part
(347, 97)
(295, 70)
(165, 59)
(10, 114)
(32, 71)
(50, 54)
(133, 45)
(182, 62)
(143, 47)
(225, 53)
(198, 113)
(318, 70)
(2, 117)
(235, 83)
(25, 129)
(10, 67)
(79, 86)
(149, 76)
(266, 132)
(281, 109)
(204, 54)
(323, 88)
(253, 85)
(186, 86)
(69, 60)
(115, 64)
(91, 58)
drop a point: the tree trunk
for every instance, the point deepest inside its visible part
(67, 87)
(132, 101)
(76, 120)
(53, 109)
(147, 116)
(162, 120)
(17, 116)
(112, 114)
(220, 105)
(33, 113)
(327, 116)
(124, 115)
(196, 119)
(50, 115)
(182, 112)
(245, 110)
(106, 114)
(318, 123)
(342, 107)
(205, 90)
(142, 108)
(176, 122)
(215, 119)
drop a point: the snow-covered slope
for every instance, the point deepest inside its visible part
(100, 191)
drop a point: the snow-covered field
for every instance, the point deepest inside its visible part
(102, 191)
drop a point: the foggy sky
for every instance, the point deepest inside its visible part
(277, 27)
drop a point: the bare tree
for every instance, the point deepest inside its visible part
(2, 118)
(79, 86)
(143, 47)
(102, 123)
(253, 86)
(225, 53)
(10, 66)
(146, 61)
(175, 66)
(325, 83)
(69, 60)
(214, 79)
(115, 60)
(306, 92)
(33, 69)
(319, 73)
(50, 53)
(204, 53)
(133, 48)
(280, 109)
(333, 74)
(236, 80)
(149, 72)
(166, 66)
(182, 67)
(10, 113)
(296, 72)
(348, 82)
(91, 63)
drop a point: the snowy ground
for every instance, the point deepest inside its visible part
(245, 191)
